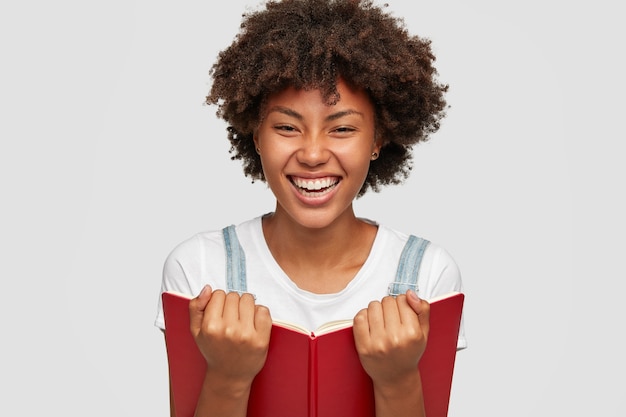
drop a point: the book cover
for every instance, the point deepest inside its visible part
(313, 373)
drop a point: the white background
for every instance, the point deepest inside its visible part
(108, 159)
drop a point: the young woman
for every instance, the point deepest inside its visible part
(325, 100)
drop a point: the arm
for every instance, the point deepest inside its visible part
(233, 335)
(390, 337)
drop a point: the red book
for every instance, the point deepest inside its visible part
(313, 374)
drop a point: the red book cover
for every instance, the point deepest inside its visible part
(314, 374)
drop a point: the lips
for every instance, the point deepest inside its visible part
(314, 187)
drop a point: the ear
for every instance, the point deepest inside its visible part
(378, 144)
(255, 138)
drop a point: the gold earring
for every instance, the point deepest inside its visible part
(258, 150)
(374, 156)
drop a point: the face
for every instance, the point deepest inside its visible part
(316, 156)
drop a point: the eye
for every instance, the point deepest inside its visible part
(286, 130)
(343, 131)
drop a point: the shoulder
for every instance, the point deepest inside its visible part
(438, 271)
(185, 268)
(441, 273)
(209, 242)
(194, 248)
(203, 253)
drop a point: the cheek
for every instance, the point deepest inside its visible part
(272, 161)
(357, 160)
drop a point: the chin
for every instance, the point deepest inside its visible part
(319, 218)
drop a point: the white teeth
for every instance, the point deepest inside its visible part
(314, 185)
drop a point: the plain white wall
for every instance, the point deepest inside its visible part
(108, 159)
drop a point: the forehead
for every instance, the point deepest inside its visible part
(349, 98)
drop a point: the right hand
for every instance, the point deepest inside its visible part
(390, 337)
(232, 332)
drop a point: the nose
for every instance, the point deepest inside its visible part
(314, 151)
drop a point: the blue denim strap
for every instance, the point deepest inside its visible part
(409, 266)
(235, 262)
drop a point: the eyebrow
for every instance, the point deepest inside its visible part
(331, 117)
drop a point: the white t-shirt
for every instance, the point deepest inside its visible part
(201, 260)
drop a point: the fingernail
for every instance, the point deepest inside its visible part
(413, 295)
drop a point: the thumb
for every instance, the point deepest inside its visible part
(196, 308)
(421, 308)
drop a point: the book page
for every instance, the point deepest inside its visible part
(331, 326)
(291, 326)
(324, 328)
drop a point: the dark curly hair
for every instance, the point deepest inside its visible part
(308, 44)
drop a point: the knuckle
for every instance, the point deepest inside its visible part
(232, 332)
(211, 329)
(263, 316)
(379, 348)
(395, 341)
(389, 299)
(219, 293)
(247, 297)
(362, 349)
(260, 344)
(253, 342)
(232, 296)
(413, 334)
(360, 317)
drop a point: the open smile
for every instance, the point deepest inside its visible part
(314, 187)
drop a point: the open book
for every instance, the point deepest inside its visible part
(314, 374)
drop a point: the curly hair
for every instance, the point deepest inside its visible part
(308, 44)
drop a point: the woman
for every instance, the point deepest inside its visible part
(325, 100)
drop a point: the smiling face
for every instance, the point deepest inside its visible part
(316, 156)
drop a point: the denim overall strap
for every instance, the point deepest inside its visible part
(408, 267)
(235, 262)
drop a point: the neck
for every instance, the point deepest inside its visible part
(288, 238)
(315, 258)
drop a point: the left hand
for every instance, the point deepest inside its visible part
(391, 336)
